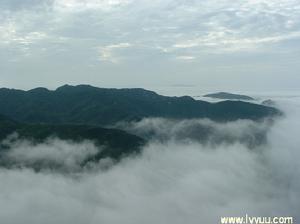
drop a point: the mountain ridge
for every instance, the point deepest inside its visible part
(85, 104)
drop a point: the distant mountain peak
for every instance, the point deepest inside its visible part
(63, 87)
(39, 89)
(228, 96)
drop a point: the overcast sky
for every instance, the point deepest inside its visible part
(251, 44)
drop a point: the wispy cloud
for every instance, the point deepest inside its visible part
(229, 41)
(83, 5)
(9, 34)
(108, 53)
(185, 58)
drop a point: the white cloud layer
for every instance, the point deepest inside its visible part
(53, 153)
(204, 131)
(169, 183)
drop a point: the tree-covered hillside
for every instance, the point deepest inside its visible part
(98, 106)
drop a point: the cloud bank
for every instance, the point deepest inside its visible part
(204, 131)
(53, 154)
(172, 181)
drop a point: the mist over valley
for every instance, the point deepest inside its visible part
(182, 169)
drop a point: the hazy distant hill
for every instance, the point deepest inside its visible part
(228, 96)
(89, 105)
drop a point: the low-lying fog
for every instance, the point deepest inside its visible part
(177, 179)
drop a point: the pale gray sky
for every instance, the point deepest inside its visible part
(253, 44)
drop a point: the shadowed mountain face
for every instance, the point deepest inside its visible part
(109, 143)
(97, 106)
(228, 96)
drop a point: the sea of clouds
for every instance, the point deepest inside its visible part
(176, 179)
